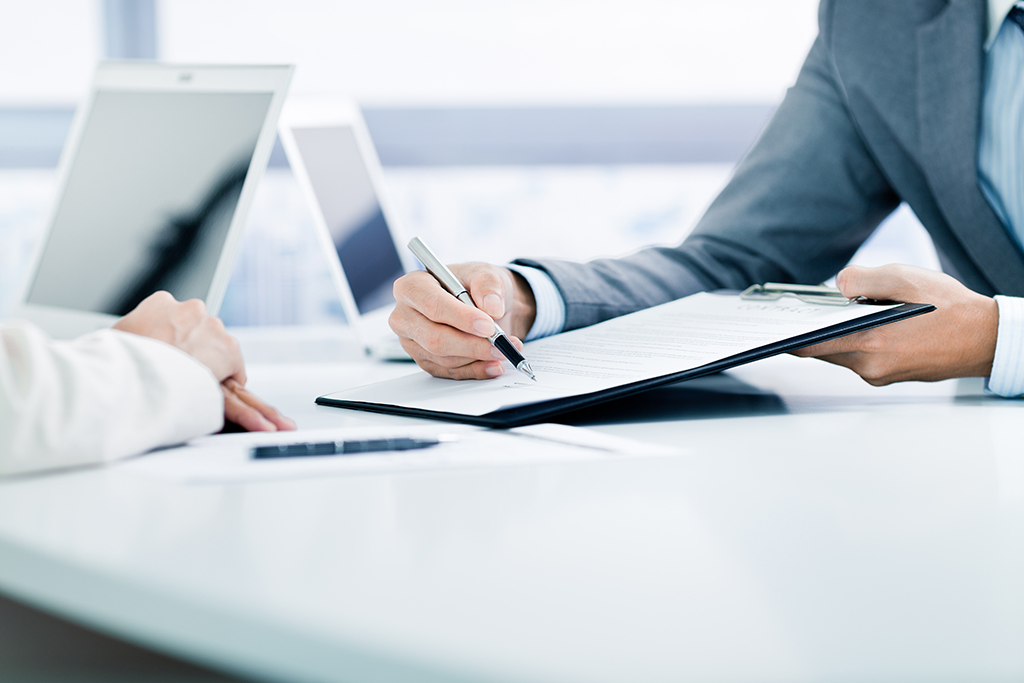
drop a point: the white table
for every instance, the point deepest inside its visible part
(828, 532)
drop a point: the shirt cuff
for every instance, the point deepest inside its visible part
(1007, 377)
(550, 304)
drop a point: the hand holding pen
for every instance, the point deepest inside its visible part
(451, 282)
(449, 338)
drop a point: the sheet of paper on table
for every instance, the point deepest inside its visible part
(227, 458)
(655, 342)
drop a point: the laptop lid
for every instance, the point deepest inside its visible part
(154, 185)
(336, 165)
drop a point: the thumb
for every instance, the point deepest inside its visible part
(488, 289)
(887, 283)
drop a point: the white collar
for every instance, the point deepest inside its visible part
(997, 11)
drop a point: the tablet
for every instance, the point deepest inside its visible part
(153, 188)
(334, 161)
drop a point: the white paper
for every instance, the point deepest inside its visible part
(654, 342)
(227, 458)
(590, 438)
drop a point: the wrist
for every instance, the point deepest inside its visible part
(983, 329)
(524, 306)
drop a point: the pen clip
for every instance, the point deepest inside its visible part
(810, 294)
(446, 277)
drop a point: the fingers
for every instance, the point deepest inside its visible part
(876, 370)
(463, 368)
(489, 288)
(473, 370)
(244, 415)
(248, 411)
(448, 353)
(268, 411)
(887, 283)
(437, 340)
(877, 355)
(447, 337)
(848, 344)
(420, 292)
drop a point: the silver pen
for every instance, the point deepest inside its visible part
(452, 283)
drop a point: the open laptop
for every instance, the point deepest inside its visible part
(154, 185)
(335, 163)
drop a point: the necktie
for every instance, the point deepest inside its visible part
(1017, 15)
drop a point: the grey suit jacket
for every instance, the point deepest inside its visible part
(885, 109)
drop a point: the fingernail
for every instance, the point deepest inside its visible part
(496, 354)
(484, 328)
(269, 426)
(495, 369)
(493, 306)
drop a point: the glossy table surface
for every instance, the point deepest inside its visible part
(812, 528)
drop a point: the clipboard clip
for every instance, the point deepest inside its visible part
(810, 294)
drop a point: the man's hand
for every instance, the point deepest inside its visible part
(956, 340)
(187, 326)
(446, 337)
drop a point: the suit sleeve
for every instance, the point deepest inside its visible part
(806, 196)
(100, 397)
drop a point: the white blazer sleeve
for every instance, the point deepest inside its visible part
(103, 396)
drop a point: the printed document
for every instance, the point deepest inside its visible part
(674, 337)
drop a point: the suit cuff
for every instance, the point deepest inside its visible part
(550, 304)
(1007, 377)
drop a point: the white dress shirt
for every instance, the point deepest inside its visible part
(103, 396)
(1001, 176)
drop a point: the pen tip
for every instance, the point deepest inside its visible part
(527, 370)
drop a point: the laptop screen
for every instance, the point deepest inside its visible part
(149, 199)
(352, 212)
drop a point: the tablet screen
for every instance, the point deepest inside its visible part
(153, 188)
(353, 214)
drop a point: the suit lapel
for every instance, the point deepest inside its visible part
(950, 81)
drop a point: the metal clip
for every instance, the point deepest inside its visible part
(810, 294)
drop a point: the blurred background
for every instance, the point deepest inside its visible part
(567, 128)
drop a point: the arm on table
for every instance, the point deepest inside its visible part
(800, 204)
(802, 201)
(187, 326)
(113, 393)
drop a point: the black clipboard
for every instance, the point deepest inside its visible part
(543, 411)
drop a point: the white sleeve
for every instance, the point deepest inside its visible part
(550, 304)
(1007, 377)
(103, 396)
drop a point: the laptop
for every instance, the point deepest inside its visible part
(154, 185)
(336, 165)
